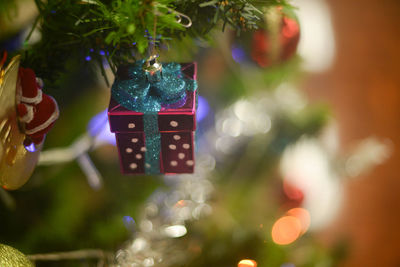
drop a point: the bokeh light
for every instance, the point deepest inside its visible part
(238, 54)
(247, 263)
(129, 223)
(175, 231)
(317, 46)
(303, 216)
(203, 108)
(286, 230)
(292, 192)
(99, 128)
(31, 147)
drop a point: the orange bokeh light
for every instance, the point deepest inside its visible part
(247, 263)
(180, 203)
(286, 230)
(303, 216)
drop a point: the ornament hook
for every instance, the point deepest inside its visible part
(180, 15)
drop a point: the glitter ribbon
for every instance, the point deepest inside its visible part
(140, 95)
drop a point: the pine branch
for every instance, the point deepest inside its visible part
(123, 30)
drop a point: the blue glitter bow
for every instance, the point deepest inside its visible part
(140, 95)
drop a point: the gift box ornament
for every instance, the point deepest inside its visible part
(152, 112)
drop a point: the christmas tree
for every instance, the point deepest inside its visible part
(243, 205)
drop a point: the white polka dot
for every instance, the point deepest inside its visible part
(173, 123)
(190, 162)
(128, 150)
(174, 163)
(143, 149)
(139, 156)
(177, 137)
(181, 155)
(147, 165)
(134, 140)
(133, 166)
(186, 146)
(173, 147)
(131, 125)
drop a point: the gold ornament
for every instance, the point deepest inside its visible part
(16, 162)
(153, 69)
(10, 257)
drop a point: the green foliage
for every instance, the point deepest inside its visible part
(72, 30)
(121, 31)
(133, 21)
(241, 15)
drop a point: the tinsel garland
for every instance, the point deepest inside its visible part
(168, 215)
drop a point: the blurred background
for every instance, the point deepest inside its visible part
(296, 160)
(362, 90)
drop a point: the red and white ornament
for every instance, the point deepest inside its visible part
(36, 110)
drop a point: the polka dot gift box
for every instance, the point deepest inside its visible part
(152, 113)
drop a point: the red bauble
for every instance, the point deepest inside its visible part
(289, 36)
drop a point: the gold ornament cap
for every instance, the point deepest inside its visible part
(10, 257)
(153, 69)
